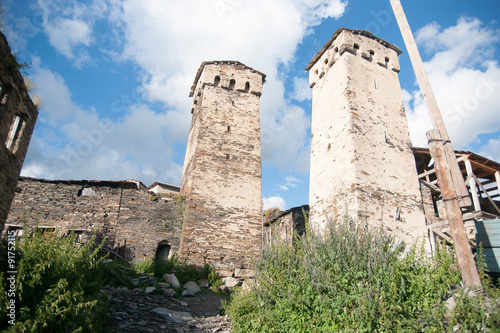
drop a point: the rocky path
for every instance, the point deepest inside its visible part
(134, 311)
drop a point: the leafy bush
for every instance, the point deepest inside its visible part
(57, 285)
(157, 268)
(352, 280)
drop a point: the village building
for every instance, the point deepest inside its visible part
(135, 224)
(17, 119)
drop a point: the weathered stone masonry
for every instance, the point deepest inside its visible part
(137, 224)
(17, 120)
(362, 164)
(222, 168)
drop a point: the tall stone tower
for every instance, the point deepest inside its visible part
(362, 164)
(222, 168)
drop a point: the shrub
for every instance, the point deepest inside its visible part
(57, 285)
(353, 279)
(157, 268)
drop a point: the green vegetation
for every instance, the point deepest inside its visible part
(57, 286)
(157, 268)
(356, 280)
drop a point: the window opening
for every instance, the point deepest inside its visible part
(356, 46)
(232, 83)
(229, 128)
(247, 86)
(217, 80)
(14, 131)
(227, 156)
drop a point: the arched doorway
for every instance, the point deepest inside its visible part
(163, 250)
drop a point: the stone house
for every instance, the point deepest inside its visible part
(136, 224)
(17, 119)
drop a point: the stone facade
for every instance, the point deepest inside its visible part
(362, 164)
(136, 223)
(222, 168)
(17, 120)
(286, 225)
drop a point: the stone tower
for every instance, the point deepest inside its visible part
(362, 164)
(222, 168)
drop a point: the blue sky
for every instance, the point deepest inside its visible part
(114, 78)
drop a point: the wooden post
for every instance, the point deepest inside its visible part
(432, 106)
(472, 185)
(466, 263)
(497, 178)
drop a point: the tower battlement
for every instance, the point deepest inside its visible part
(360, 43)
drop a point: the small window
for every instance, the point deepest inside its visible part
(229, 128)
(232, 83)
(356, 46)
(227, 156)
(386, 59)
(316, 72)
(199, 93)
(247, 86)
(336, 50)
(217, 80)
(15, 133)
(372, 53)
(326, 61)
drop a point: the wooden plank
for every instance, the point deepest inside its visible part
(484, 166)
(485, 192)
(472, 185)
(468, 269)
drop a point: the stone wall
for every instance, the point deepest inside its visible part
(286, 225)
(362, 164)
(134, 221)
(222, 168)
(17, 120)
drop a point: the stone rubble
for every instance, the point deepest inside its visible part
(134, 311)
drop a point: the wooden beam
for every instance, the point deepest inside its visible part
(485, 192)
(468, 269)
(472, 185)
(484, 166)
(430, 100)
(497, 178)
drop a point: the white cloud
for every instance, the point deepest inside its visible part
(170, 40)
(301, 90)
(74, 143)
(273, 202)
(464, 79)
(491, 150)
(69, 25)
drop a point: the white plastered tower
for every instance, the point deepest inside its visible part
(362, 164)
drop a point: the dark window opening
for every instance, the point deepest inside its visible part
(356, 46)
(232, 83)
(372, 53)
(227, 156)
(217, 80)
(163, 251)
(192, 110)
(329, 146)
(386, 59)
(15, 133)
(326, 61)
(247, 86)
(199, 93)
(336, 50)
(229, 128)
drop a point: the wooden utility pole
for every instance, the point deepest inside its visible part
(435, 115)
(466, 263)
